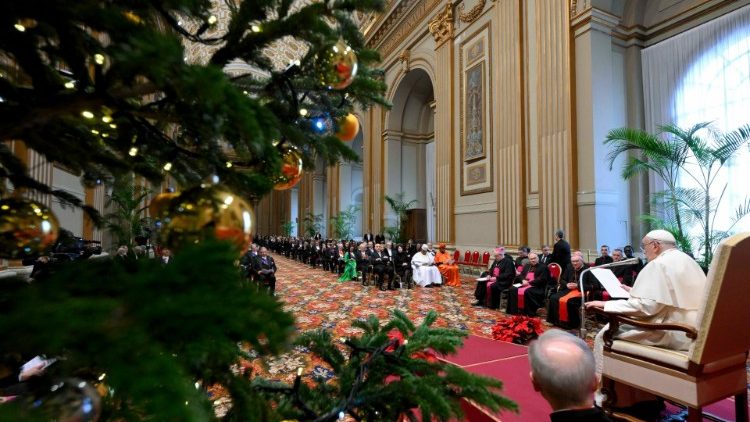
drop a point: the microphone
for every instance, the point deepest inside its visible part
(582, 328)
(629, 261)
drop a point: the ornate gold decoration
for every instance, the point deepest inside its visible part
(405, 58)
(472, 14)
(441, 26)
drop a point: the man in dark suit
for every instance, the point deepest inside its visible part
(368, 237)
(563, 372)
(561, 250)
(248, 262)
(381, 267)
(265, 268)
(546, 256)
(379, 238)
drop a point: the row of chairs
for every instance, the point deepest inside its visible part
(471, 261)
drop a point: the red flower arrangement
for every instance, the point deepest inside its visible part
(517, 329)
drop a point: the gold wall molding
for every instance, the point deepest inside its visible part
(473, 13)
(441, 26)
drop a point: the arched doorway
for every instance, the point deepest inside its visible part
(351, 183)
(409, 151)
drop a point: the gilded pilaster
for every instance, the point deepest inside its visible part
(441, 28)
(510, 134)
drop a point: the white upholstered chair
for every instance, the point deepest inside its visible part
(714, 367)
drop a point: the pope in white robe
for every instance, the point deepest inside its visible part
(425, 272)
(668, 290)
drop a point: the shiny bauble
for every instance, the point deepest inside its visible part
(291, 168)
(348, 128)
(337, 66)
(205, 212)
(26, 228)
(160, 202)
(72, 399)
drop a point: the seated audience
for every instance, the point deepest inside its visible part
(349, 261)
(522, 258)
(562, 371)
(447, 266)
(604, 258)
(628, 251)
(500, 272)
(363, 262)
(382, 268)
(564, 305)
(265, 268)
(425, 273)
(626, 273)
(402, 264)
(546, 256)
(529, 296)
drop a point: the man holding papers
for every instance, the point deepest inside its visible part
(527, 295)
(668, 290)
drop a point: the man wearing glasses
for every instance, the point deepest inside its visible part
(667, 290)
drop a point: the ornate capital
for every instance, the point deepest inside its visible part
(472, 14)
(441, 26)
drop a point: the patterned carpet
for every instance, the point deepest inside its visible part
(318, 300)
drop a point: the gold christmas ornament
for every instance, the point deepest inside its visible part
(291, 168)
(26, 228)
(203, 212)
(348, 128)
(160, 202)
(337, 66)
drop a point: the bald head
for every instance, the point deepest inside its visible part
(563, 370)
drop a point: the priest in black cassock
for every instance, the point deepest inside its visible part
(498, 277)
(529, 297)
(564, 306)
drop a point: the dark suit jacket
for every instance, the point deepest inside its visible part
(561, 253)
(603, 260)
(379, 238)
(545, 259)
(368, 237)
(262, 264)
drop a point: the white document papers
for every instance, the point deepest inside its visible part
(610, 283)
(483, 279)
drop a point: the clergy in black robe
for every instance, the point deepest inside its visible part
(565, 304)
(498, 277)
(529, 297)
(561, 250)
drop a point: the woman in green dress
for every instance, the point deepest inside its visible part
(350, 269)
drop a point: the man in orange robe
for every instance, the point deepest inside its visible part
(447, 266)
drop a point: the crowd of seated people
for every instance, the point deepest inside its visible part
(529, 287)
(376, 261)
(525, 281)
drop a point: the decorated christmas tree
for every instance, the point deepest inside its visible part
(107, 90)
